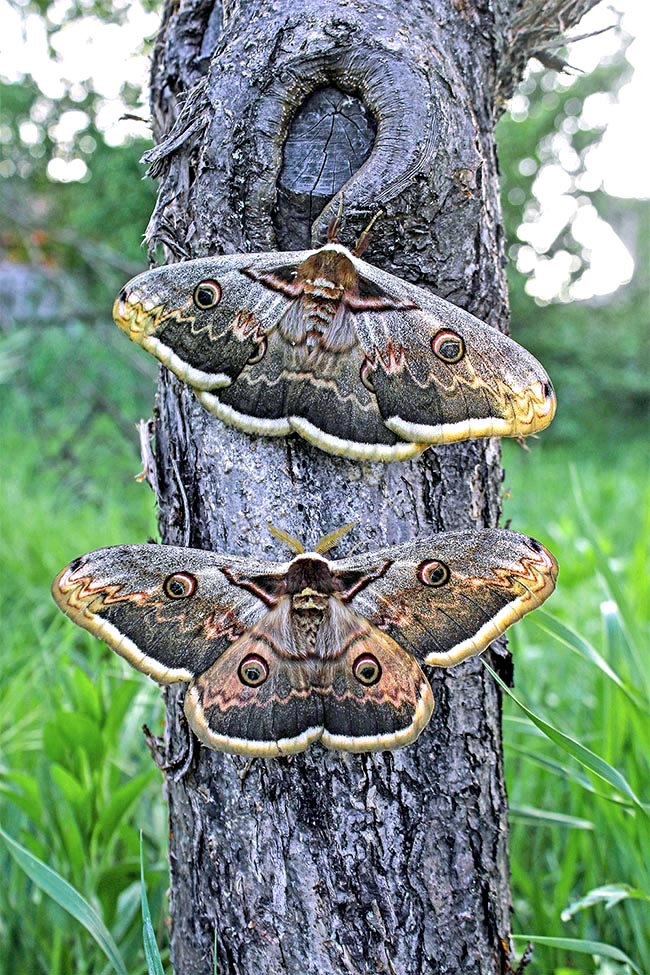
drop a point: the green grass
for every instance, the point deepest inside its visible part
(77, 784)
(589, 506)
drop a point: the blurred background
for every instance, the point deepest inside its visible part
(76, 782)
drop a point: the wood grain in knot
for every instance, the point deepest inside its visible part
(330, 138)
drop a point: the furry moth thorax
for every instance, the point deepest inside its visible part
(321, 343)
(280, 655)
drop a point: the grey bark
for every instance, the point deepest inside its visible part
(328, 863)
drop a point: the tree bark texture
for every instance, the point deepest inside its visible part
(325, 863)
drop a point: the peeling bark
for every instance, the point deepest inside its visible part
(328, 863)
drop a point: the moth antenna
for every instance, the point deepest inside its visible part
(335, 224)
(355, 548)
(364, 239)
(328, 542)
(293, 543)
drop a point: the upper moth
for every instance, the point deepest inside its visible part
(281, 654)
(319, 342)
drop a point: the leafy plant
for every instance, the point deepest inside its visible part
(591, 678)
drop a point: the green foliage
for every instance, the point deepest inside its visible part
(152, 955)
(595, 351)
(82, 234)
(576, 946)
(60, 891)
(582, 665)
(76, 782)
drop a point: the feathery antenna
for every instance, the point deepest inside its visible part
(335, 224)
(328, 542)
(293, 543)
(364, 239)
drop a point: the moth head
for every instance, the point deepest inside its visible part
(309, 576)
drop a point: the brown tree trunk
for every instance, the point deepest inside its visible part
(326, 862)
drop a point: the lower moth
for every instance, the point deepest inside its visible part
(279, 655)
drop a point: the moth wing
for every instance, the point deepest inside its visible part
(448, 597)
(205, 319)
(280, 715)
(122, 596)
(387, 710)
(316, 393)
(315, 390)
(496, 388)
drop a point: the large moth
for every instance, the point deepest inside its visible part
(282, 654)
(321, 343)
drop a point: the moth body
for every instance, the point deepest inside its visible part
(323, 344)
(280, 655)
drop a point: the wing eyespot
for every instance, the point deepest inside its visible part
(433, 573)
(207, 294)
(180, 585)
(365, 375)
(259, 353)
(448, 346)
(367, 669)
(253, 670)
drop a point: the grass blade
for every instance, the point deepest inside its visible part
(565, 635)
(565, 772)
(580, 947)
(545, 817)
(589, 759)
(617, 634)
(151, 953)
(609, 895)
(53, 884)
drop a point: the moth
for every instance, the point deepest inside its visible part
(279, 655)
(321, 343)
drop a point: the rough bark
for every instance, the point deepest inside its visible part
(328, 863)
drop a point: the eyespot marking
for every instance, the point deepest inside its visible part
(253, 670)
(367, 669)
(180, 585)
(433, 573)
(207, 294)
(448, 346)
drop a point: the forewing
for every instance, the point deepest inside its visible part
(448, 597)
(496, 388)
(132, 597)
(204, 319)
(280, 715)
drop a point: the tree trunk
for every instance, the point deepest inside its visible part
(326, 862)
